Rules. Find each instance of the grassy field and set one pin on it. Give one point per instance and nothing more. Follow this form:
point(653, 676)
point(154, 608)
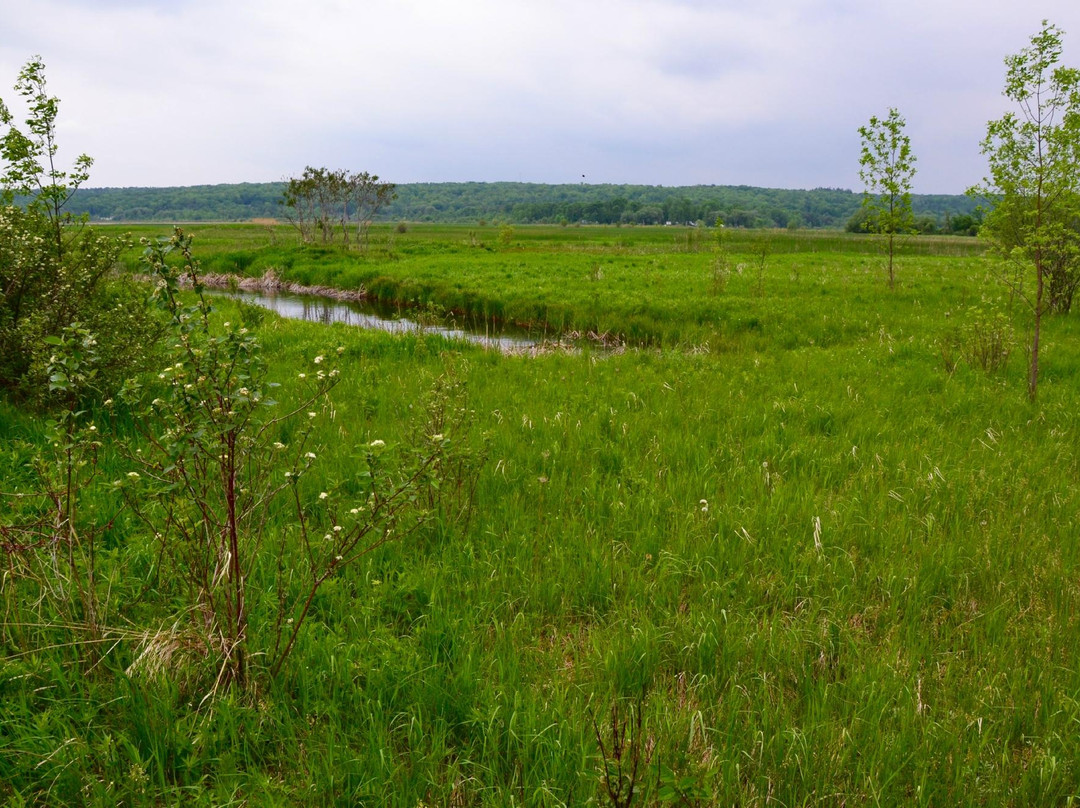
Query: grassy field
point(821, 556)
point(646, 285)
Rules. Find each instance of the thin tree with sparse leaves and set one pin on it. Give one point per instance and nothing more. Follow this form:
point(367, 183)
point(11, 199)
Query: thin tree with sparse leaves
point(1034, 179)
point(887, 167)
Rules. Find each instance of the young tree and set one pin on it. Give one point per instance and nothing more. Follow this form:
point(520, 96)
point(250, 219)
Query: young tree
point(1034, 179)
point(368, 196)
point(31, 172)
point(298, 200)
point(887, 168)
point(54, 273)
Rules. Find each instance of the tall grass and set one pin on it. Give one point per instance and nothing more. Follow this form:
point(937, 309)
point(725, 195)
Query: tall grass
point(643, 285)
point(832, 570)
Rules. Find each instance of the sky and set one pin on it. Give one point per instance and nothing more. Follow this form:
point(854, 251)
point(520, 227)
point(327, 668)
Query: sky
point(664, 92)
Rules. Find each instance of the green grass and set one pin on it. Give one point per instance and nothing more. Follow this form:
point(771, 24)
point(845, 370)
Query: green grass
point(875, 604)
point(645, 285)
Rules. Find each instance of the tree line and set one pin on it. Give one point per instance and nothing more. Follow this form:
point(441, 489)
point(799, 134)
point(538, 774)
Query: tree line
point(532, 203)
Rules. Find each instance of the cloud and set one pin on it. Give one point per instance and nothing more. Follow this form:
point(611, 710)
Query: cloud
point(672, 91)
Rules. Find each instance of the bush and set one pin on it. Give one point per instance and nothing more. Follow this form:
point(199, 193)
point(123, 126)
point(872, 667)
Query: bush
point(984, 342)
point(213, 474)
point(54, 271)
point(47, 293)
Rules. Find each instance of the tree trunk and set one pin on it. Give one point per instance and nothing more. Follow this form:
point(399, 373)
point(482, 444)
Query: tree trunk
point(1033, 370)
point(892, 276)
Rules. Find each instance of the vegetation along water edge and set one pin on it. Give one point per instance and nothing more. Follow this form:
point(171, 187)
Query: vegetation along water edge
point(807, 536)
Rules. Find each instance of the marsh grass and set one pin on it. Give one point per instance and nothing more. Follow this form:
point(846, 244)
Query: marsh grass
point(648, 291)
point(839, 573)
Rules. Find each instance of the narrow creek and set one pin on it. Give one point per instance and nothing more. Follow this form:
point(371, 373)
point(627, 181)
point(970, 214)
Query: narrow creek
point(318, 309)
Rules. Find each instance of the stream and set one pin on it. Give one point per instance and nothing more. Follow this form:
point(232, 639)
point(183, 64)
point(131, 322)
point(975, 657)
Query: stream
point(317, 309)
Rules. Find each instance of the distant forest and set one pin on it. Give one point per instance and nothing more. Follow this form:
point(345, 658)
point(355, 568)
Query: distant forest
point(525, 203)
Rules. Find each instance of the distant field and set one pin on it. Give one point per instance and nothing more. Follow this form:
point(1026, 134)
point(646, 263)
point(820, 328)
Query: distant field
point(647, 285)
point(831, 557)
point(215, 238)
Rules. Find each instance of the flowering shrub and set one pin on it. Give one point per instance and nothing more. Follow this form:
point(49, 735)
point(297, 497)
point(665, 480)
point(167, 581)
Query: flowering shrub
point(217, 476)
point(54, 271)
point(211, 471)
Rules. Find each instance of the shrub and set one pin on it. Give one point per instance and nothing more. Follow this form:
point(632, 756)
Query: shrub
point(217, 478)
point(984, 341)
point(54, 271)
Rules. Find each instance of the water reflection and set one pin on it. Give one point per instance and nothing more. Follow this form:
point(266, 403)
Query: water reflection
point(325, 310)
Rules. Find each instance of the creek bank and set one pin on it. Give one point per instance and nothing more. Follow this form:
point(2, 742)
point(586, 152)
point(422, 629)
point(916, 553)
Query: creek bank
point(327, 304)
point(270, 283)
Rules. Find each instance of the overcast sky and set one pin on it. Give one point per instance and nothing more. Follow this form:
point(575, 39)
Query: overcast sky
point(673, 92)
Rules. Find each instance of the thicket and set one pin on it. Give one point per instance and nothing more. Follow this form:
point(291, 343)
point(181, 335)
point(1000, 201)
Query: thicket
point(55, 273)
point(211, 498)
point(327, 202)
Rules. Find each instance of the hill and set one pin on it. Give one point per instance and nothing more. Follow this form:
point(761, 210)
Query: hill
point(524, 203)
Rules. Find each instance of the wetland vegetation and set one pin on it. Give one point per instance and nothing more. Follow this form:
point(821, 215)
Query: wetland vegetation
point(791, 529)
point(809, 527)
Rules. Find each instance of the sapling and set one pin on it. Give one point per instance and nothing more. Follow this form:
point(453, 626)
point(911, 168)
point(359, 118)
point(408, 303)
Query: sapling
point(1034, 182)
point(887, 167)
point(212, 471)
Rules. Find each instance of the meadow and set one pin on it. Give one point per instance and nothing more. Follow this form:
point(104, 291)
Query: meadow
point(646, 285)
point(788, 537)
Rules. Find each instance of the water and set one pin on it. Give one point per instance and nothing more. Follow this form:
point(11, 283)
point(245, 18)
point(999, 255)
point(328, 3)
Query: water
point(318, 309)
